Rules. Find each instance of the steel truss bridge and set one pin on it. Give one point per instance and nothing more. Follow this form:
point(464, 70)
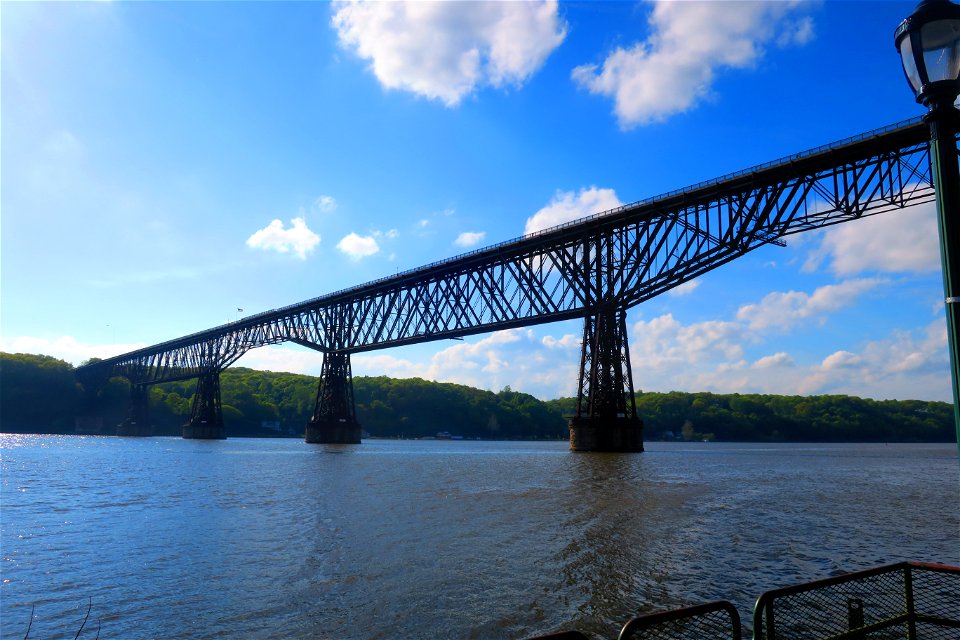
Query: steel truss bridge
point(594, 268)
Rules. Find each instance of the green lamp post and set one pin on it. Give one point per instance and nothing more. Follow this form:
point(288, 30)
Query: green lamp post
point(929, 46)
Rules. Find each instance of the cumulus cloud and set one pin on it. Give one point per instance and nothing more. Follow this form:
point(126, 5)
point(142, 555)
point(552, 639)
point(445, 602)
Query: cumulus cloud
point(675, 67)
point(357, 247)
point(664, 342)
point(298, 239)
point(895, 242)
point(906, 365)
point(283, 358)
point(840, 360)
point(668, 355)
point(568, 341)
point(470, 238)
point(567, 206)
point(66, 348)
point(684, 289)
point(325, 204)
point(514, 357)
point(782, 310)
point(713, 356)
point(446, 50)
point(779, 359)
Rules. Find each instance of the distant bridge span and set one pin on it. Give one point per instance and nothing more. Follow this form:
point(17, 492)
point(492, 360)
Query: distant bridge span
point(594, 268)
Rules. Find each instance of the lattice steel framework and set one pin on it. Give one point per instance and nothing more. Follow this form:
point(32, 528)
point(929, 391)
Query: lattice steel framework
point(206, 413)
point(612, 260)
point(606, 379)
point(137, 421)
point(335, 392)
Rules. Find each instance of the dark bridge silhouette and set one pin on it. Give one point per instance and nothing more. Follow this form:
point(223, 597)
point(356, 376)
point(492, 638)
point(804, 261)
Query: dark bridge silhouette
point(594, 268)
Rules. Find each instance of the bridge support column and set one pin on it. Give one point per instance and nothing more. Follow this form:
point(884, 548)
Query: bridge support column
point(206, 416)
point(334, 418)
point(137, 422)
point(606, 417)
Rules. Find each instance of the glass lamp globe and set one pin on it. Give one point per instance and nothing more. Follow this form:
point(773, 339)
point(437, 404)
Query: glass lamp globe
point(929, 46)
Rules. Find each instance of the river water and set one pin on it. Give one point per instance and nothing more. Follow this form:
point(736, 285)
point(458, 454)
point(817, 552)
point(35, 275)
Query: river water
point(273, 538)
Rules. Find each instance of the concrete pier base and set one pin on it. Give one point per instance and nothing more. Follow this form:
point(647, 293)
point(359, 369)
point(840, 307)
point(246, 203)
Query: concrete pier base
point(333, 432)
point(204, 431)
point(606, 434)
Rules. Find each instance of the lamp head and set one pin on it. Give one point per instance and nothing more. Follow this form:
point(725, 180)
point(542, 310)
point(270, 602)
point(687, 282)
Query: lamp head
point(929, 46)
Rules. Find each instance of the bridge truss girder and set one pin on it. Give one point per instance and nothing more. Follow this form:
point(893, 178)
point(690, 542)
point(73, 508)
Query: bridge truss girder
point(612, 260)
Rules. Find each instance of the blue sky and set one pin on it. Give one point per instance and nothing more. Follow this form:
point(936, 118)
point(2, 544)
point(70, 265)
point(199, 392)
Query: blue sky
point(165, 164)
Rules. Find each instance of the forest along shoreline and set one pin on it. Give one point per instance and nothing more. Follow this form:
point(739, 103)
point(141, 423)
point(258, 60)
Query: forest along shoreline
point(39, 394)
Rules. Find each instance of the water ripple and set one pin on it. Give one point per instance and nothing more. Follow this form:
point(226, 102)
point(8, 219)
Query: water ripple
point(273, 538)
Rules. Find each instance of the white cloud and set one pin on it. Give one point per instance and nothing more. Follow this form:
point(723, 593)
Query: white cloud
point(567, 206)
point(712, 356)
point(274, 237)
point(684, 289)
point(708, 357)
point(893, 242)
point(514, 357)
point(906, 365)
point(798, 32)
point(357, 247)
point(908, 353)
point(568, 341)
point(285, 359)
point(779, 359)
point(674, 68)
point(66, 348)
point(840, 360)
point(664, 342)
point(782, 310)
point(446, 50)
point(325, 204)
point(470, 238)
point(484, 355)
point(379, 363)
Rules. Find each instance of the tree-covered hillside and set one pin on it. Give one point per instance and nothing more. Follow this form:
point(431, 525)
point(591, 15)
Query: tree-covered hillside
point(38, 394)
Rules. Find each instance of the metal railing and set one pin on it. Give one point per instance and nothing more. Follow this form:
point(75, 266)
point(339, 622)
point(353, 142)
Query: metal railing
point(906, 600)
point(711, 621)
point(902, 601)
